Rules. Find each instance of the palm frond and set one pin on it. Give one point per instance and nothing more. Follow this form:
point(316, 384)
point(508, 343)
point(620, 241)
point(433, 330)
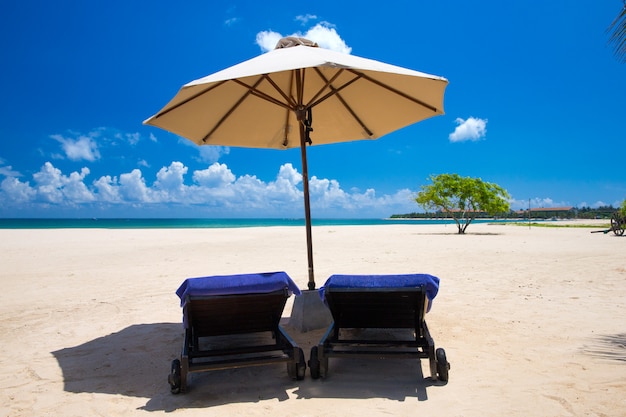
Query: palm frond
point(618, 35)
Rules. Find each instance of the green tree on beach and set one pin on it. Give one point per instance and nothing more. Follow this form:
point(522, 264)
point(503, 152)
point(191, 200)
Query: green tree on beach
point(463, 198)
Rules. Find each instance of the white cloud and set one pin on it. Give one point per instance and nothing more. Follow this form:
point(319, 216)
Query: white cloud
point(78, 146)
point(247, 193)
point(472, 129)
point(210, 154)
point(107, 189)
point(170, 182)
point(8, 171)
point(75, 189)
point(232, 21)
point(327, 37)
point(304, 19)
point(17, 192)
point(133, 187)
point(206, 154)
point(215, 189)
point(54, 187)
point(328, 193)
point(132, 138)
point(49, 182)
point(83, 147)
point(215, 176)
point(600, 203)
point(289, 174)
point(284, 189)
point(537, 202)
point(267, 39)
point(323, 33)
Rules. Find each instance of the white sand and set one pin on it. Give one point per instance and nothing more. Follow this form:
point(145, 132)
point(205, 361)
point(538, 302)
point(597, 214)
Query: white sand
point(533, 322)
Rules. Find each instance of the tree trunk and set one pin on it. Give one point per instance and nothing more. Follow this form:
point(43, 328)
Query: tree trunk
point(462, 226)
point(459, 226)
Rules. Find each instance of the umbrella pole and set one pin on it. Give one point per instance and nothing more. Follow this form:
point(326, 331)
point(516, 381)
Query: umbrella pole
point(307, 205)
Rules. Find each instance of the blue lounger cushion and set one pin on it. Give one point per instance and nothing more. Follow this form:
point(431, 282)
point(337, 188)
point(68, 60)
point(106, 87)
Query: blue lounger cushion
point(258, 283)
point(430, 282)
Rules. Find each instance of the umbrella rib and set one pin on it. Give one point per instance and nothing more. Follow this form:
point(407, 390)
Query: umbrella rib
point(335, 92)
point(328, 84)
point(398, 92)
point(356, 117)
point(286, 131)
point(187, 100)
point(288, 100)
point(299, 85)
point(231, 110)
point(253, 90)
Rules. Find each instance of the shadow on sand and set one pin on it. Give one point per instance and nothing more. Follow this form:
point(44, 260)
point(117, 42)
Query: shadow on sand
point(136, 361)
point(611, 347)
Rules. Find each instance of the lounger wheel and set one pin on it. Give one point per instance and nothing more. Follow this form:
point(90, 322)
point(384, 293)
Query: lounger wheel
point(442, 365)
point(314, 363)
point(174, 378)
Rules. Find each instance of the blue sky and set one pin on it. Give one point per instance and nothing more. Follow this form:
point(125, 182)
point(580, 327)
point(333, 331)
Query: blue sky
point(535, 104)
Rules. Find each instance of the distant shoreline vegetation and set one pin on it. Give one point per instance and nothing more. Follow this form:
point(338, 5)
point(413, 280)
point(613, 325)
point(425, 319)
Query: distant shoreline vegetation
point(603, 212)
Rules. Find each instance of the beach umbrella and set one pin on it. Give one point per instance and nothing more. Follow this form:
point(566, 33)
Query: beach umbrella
point(299, 95)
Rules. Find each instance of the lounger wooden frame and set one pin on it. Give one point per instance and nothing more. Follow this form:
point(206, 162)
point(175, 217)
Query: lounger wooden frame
point(377, 308)
point(219, 316)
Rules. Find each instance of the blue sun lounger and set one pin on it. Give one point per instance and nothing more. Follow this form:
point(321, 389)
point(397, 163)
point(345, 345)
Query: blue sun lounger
point(232, 321)
point(379, 303)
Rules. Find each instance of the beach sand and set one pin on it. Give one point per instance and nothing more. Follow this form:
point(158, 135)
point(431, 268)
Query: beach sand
point(533, 321)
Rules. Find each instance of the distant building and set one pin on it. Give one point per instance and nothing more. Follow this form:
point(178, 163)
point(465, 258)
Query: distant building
point(548, 212)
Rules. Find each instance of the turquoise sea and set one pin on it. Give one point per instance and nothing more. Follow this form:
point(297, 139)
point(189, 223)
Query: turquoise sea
point(207, 223)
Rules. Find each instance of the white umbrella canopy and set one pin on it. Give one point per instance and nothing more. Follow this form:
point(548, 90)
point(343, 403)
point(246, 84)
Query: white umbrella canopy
point(254, 104)
point(270, 101)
